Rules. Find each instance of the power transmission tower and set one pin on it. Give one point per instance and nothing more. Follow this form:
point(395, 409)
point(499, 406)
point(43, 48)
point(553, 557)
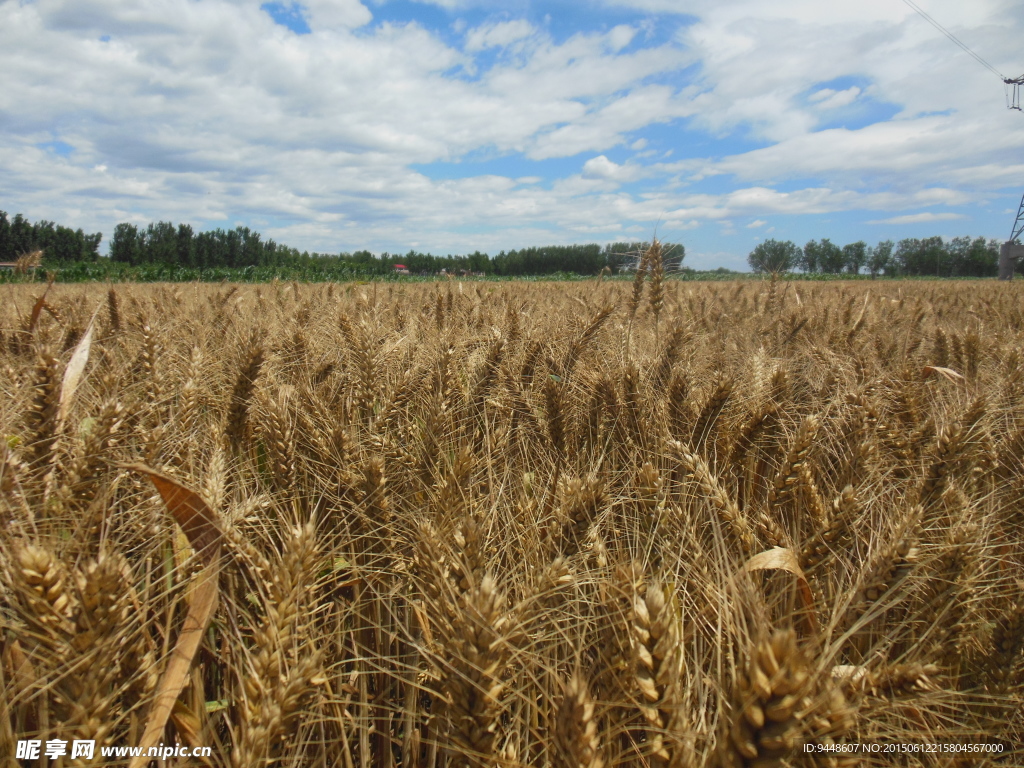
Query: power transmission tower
point(1012, 250)
point(1013, 94)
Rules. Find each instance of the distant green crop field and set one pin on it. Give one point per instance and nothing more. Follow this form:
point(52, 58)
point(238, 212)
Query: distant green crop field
point(116, 272)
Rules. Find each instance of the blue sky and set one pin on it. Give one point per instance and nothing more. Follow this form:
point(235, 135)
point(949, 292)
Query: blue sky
point(454, 125)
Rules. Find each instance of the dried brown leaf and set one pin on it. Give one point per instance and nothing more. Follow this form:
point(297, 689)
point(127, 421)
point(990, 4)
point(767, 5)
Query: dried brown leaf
point(785, 559)
point(37, 309)
point(189, 510)
point(199, 523)
point(176, 675)
point(949, 373)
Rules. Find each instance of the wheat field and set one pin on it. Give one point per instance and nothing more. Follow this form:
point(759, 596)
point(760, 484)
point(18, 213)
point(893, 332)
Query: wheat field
point(588, 524)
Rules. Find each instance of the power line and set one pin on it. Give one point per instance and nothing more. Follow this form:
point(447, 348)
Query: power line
point(954, 38)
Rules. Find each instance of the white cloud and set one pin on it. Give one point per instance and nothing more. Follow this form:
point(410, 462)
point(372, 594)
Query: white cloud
point(211, 111)
point(336, 14)
point(756, 223)
point(827, 98)
point(908, 152)
point(681, 224)
point(601, 167)
point(449, 5)
point(919, 218)
point(621, 36)
point(604, 127)
point(758, 57)
point(497, 35)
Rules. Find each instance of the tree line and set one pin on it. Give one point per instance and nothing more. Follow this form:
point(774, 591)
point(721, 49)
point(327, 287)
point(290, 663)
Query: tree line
point(19, 236)
point(164, 243)
point(959, 257)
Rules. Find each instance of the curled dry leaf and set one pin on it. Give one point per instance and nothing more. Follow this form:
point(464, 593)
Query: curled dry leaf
point(189, 510)
point(784, 559)
point(948, 373)
point(37, 309)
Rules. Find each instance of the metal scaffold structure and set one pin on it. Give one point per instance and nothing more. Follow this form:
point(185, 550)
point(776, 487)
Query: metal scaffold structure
point(1012, 250)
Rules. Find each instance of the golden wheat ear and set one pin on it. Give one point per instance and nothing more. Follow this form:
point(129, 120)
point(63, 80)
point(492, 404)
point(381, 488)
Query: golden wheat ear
point(577, 738)
point(781, 703)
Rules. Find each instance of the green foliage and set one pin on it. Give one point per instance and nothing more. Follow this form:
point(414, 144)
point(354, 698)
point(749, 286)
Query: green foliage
point(825, 257)
point(162, 243)
point(879, 257)
point(180, 253)
point(960, 257)
point(854, 256)
point(915, 256)
point(930, 256)
point(60, 245)
point(106, 270)
point(774, 256)
point(125, 245)
point(163, 251)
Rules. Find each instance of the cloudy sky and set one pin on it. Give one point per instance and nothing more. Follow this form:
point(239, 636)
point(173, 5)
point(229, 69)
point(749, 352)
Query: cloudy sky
point(455, 125)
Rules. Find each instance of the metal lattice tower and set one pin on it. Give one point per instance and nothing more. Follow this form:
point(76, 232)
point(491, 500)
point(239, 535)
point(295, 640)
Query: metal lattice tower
point(1018, 223)
point(1012, 250)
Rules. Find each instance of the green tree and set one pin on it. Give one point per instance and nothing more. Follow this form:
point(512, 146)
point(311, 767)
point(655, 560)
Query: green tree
point(878, 257)
point(44, 236)
point(59, 243)
point(927, 256)
point(184, 246)
point(831, 259)
point(975, 257)
point(125, 245)
point(160, 243)
point(91, 245)
point(65, 246)
point(252, 247)
point(21, 236)
point(810, 257)
point(674, 256)
point(854, 256)
point(480, 262)
point(774, 256)
point(6, 248)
